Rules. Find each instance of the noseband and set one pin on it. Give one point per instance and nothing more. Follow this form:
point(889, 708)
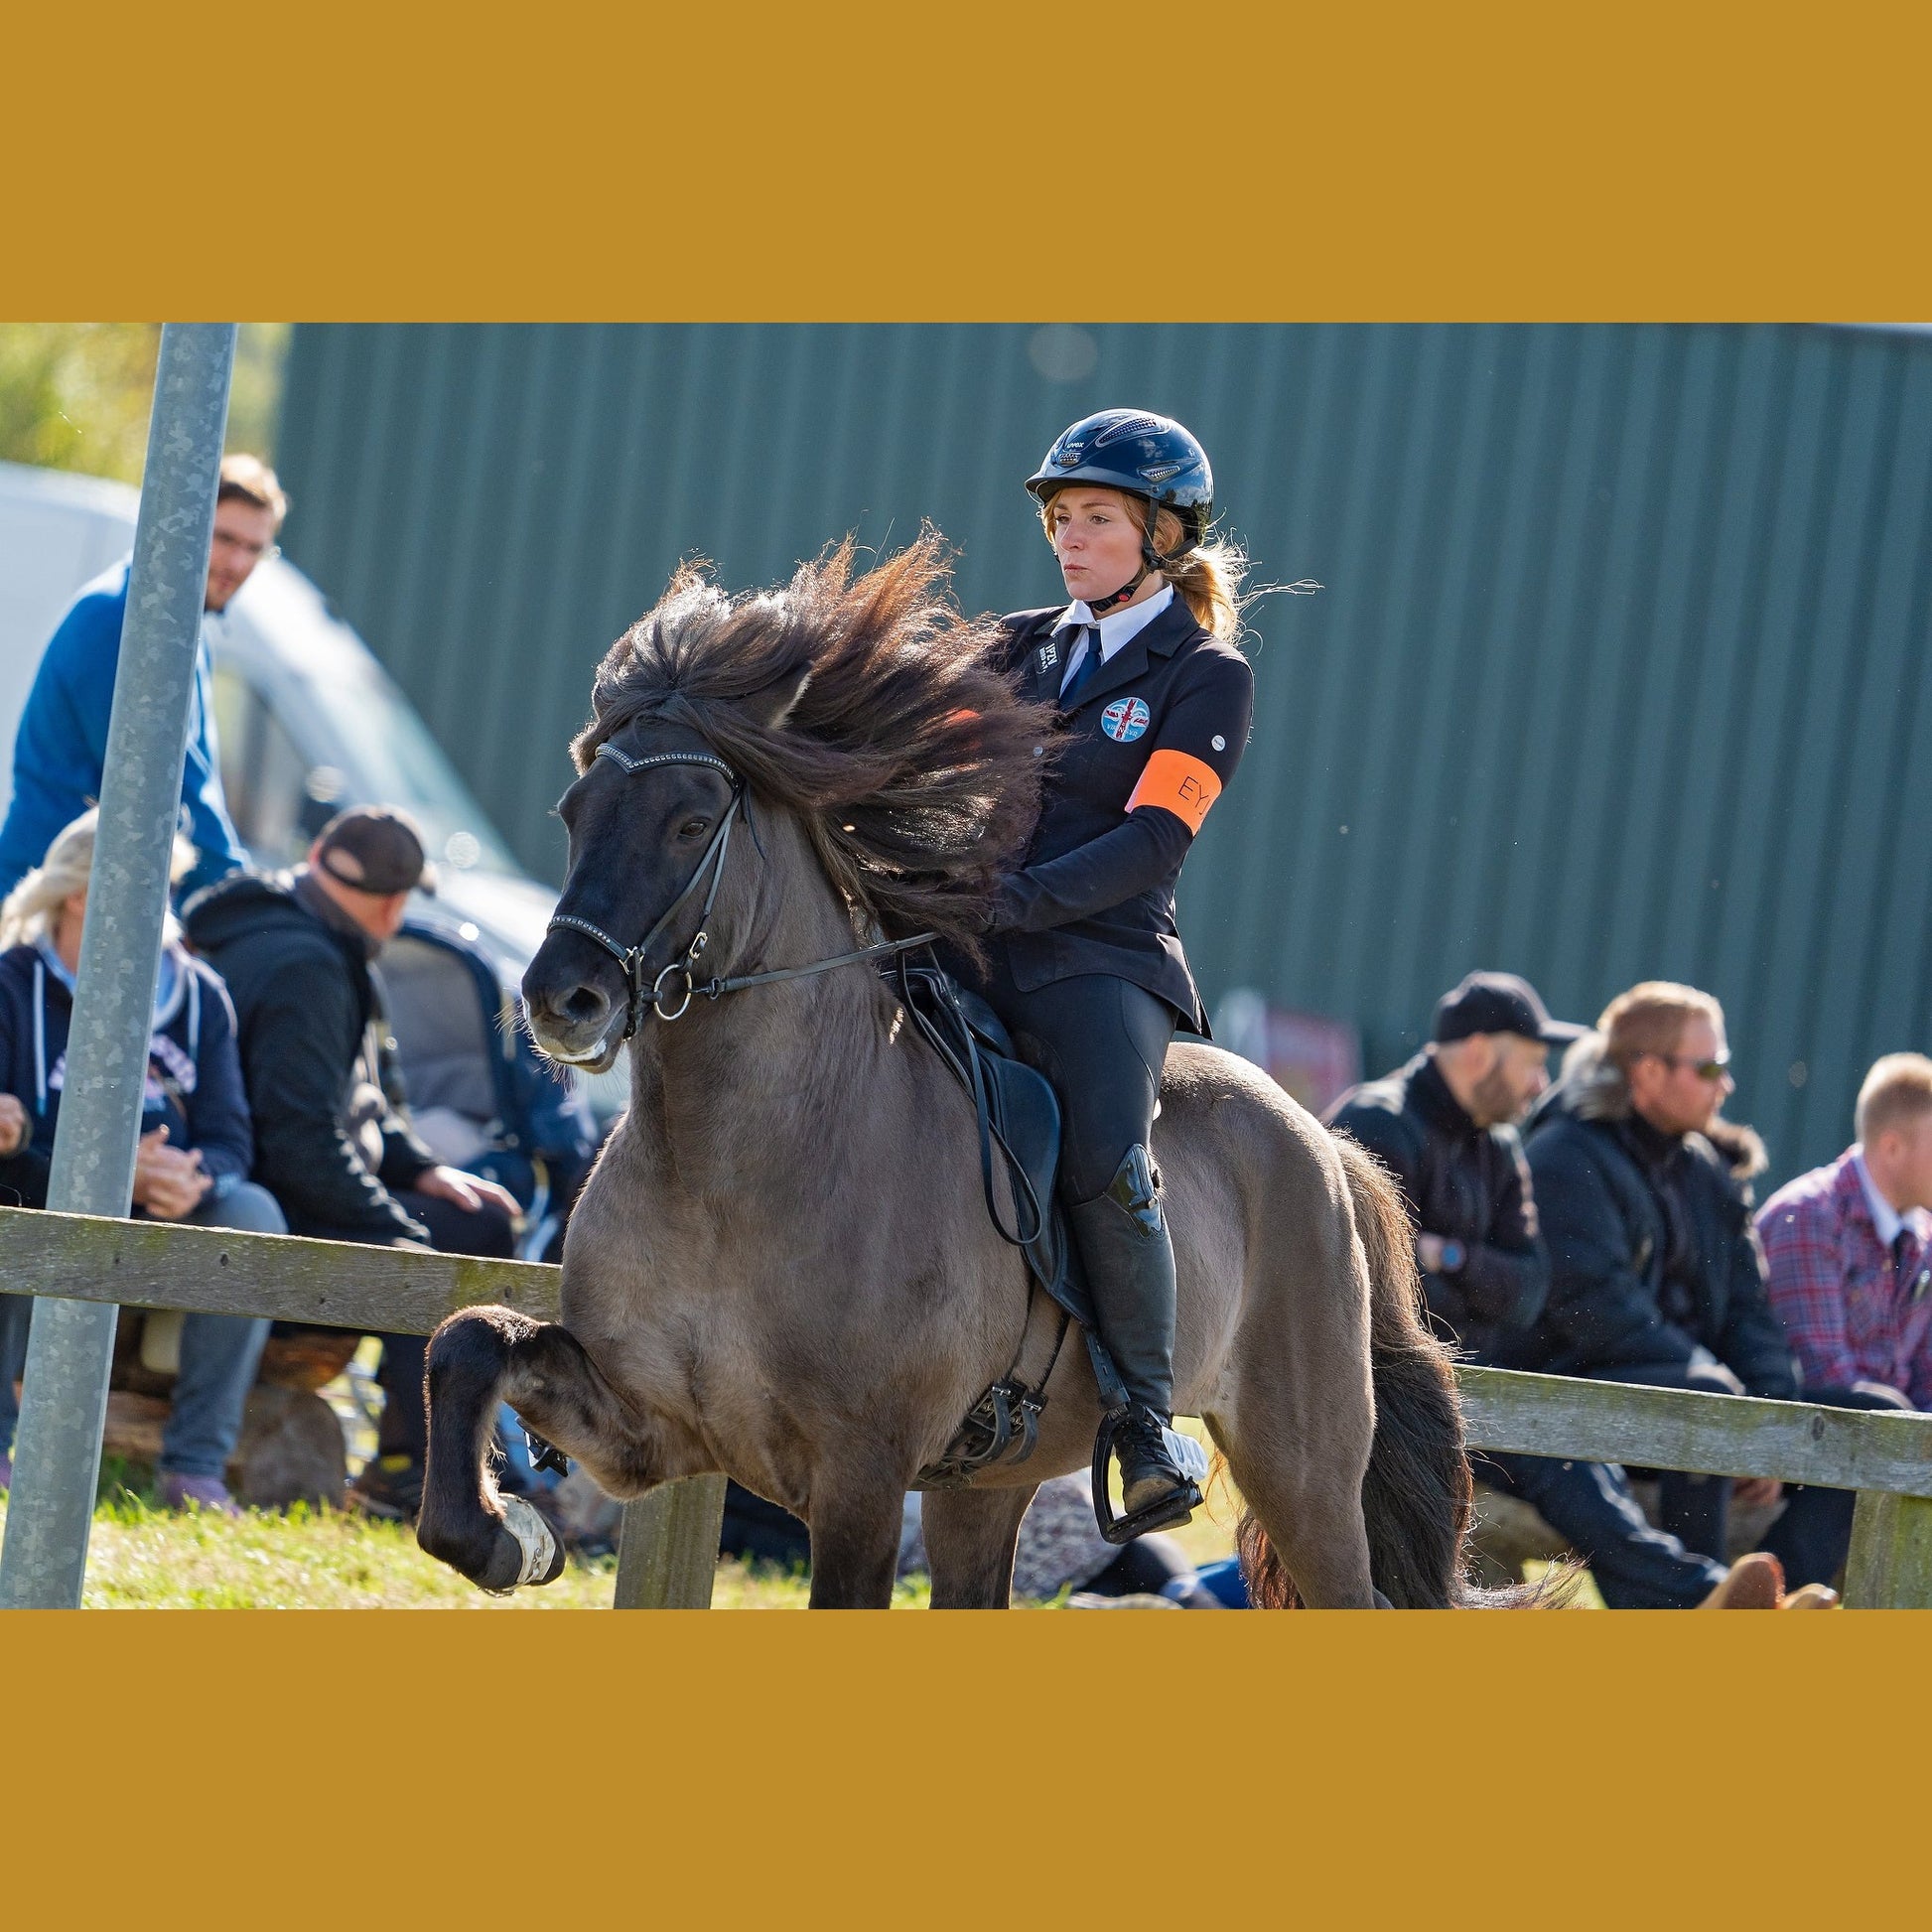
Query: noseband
point(671, 991)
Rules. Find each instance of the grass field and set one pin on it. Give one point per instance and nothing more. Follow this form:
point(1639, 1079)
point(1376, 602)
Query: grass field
point(143, 1557)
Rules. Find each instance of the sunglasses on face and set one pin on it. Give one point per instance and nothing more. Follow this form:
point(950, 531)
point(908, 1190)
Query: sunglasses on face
point(1713, 1069)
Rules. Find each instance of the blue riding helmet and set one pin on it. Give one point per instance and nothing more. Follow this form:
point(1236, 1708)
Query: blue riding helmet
point(1147, 456)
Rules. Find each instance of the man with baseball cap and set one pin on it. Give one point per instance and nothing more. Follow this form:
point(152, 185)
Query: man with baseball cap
point(331, 1145)
point(1444, 1127)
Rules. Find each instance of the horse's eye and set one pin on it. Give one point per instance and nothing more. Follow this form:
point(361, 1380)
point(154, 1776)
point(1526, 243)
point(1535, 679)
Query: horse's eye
point(694, 828)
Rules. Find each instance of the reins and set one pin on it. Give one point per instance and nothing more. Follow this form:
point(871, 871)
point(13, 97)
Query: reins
point(631, 959)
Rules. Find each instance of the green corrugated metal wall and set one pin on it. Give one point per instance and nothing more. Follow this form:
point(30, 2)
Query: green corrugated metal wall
point(1617, 674)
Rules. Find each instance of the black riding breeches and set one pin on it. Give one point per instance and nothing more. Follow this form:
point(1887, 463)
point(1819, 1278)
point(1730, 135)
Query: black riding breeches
point(1102, 1042)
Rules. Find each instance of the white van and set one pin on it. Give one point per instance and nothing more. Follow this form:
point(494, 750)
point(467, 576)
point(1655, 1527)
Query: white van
point(309, 722)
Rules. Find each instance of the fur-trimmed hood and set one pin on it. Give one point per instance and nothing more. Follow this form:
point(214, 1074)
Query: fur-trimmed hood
point(1593, 1087)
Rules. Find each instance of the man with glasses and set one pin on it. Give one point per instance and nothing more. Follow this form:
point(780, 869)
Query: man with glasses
point(60, 750)
point(1656, 1273)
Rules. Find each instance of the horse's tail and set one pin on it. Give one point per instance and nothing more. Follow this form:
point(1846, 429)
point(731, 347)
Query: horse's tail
point(1418, 1495)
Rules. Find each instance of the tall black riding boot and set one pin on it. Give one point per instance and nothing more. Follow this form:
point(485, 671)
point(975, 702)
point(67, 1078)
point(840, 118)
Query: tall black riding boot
point(1128, 1261)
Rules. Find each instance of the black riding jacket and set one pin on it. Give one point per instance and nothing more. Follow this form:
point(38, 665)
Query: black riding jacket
point(1150, 741)
point(1466, 1183)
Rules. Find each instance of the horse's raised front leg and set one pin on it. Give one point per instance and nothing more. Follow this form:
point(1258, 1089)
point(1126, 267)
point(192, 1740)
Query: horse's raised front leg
point(970, 1538)
point(476, 1359)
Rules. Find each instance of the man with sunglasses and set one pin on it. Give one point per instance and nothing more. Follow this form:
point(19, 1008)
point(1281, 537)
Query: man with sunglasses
point(1656, 1273)
point(61, 748)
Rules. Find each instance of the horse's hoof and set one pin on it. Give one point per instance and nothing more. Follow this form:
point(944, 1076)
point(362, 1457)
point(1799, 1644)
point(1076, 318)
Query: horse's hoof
point(497, 1555)
point(541, 1556)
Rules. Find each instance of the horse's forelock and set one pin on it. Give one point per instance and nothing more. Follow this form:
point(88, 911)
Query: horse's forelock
point(865, 702)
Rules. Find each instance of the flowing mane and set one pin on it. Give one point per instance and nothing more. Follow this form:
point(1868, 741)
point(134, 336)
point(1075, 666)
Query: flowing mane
point(863, 702)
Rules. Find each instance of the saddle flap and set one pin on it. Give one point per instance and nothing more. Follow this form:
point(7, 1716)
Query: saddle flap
point(1024, 1111)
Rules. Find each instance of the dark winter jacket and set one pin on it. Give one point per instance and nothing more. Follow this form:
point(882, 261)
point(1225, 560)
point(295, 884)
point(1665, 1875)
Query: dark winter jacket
point(1466, 1183)
point(1149, 743)
point(329, 1144)
point(1652, 1251)
point(194, 1085)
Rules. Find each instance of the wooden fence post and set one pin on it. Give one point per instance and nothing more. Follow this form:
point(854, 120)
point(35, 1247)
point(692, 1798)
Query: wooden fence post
point(667, 1549)
point(1891, 1565)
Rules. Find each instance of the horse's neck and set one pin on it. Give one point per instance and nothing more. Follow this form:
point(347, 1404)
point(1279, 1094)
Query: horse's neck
point(788, 1081)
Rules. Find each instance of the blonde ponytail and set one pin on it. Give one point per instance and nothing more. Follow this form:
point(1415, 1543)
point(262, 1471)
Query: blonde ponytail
point(1207, 578)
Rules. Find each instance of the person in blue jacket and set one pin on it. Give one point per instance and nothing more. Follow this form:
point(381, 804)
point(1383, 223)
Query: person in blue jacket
point(195, 1149)
point(61, 748)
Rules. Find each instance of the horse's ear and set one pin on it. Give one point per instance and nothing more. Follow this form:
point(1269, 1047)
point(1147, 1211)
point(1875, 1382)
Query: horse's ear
point(774, 706)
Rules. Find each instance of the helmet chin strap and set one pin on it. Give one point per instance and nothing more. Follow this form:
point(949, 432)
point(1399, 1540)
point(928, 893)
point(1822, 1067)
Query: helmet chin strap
point(1100, 605)
point(1151, 560)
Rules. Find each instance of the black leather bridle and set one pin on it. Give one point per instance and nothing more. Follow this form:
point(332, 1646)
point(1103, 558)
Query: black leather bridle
point(671, 991)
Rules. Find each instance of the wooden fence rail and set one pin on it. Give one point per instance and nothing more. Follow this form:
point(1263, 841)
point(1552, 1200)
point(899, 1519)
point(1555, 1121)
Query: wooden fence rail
point(667, 1551)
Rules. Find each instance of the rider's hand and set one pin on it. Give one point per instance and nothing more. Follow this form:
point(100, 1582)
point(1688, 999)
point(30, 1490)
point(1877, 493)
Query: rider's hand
point(13, 1125)
point(468, 1190)
point(169, 1182)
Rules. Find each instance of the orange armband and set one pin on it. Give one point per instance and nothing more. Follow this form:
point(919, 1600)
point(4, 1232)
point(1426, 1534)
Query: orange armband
point(1181, 784)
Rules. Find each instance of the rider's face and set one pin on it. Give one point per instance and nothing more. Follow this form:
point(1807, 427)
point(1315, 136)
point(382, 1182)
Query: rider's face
point(1097, 540)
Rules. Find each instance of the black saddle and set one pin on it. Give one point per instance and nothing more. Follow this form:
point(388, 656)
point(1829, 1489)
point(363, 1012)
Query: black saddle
point(1019, 1118)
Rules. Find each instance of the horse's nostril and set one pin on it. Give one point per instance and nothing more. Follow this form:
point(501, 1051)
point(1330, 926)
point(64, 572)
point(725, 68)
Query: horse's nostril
point(583, 1005)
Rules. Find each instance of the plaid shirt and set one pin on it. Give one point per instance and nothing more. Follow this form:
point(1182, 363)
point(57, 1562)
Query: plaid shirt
point(1853, 1313)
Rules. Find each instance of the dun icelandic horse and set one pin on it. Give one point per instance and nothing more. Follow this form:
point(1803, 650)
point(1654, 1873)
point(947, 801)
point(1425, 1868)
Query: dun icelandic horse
point(782, 1266)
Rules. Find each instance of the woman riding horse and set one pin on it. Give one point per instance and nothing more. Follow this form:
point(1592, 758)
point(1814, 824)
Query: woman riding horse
point(782, 1266)
point(1085, 965)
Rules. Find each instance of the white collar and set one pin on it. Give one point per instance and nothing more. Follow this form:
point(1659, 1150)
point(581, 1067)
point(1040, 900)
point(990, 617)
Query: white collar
point(1118, 628)
point(1886, 1220)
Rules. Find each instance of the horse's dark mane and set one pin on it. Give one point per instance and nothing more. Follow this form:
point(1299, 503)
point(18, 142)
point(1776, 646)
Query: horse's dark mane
point(866, 704)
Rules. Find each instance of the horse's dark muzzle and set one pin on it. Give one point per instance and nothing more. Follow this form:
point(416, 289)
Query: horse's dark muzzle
point(569, 1011)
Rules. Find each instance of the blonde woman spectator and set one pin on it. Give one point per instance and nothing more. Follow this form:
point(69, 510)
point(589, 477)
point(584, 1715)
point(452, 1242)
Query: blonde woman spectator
point(193, 1162)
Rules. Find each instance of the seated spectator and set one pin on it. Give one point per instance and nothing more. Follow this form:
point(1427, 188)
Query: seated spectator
point(1444, 1127)
point(331, 1142)
point(1846, 1245)
point(1656, 1275)
point(192, 1164)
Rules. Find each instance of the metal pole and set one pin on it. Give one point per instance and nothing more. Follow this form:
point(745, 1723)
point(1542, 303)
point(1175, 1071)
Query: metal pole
point(63, 1402)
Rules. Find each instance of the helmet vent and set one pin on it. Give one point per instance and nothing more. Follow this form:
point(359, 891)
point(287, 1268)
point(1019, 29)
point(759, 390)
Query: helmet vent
point(1129, 426)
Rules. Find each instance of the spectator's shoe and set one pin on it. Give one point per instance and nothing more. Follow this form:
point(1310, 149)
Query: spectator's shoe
point(196, 1492)
point(1753, 1582)
point(390, 1486)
